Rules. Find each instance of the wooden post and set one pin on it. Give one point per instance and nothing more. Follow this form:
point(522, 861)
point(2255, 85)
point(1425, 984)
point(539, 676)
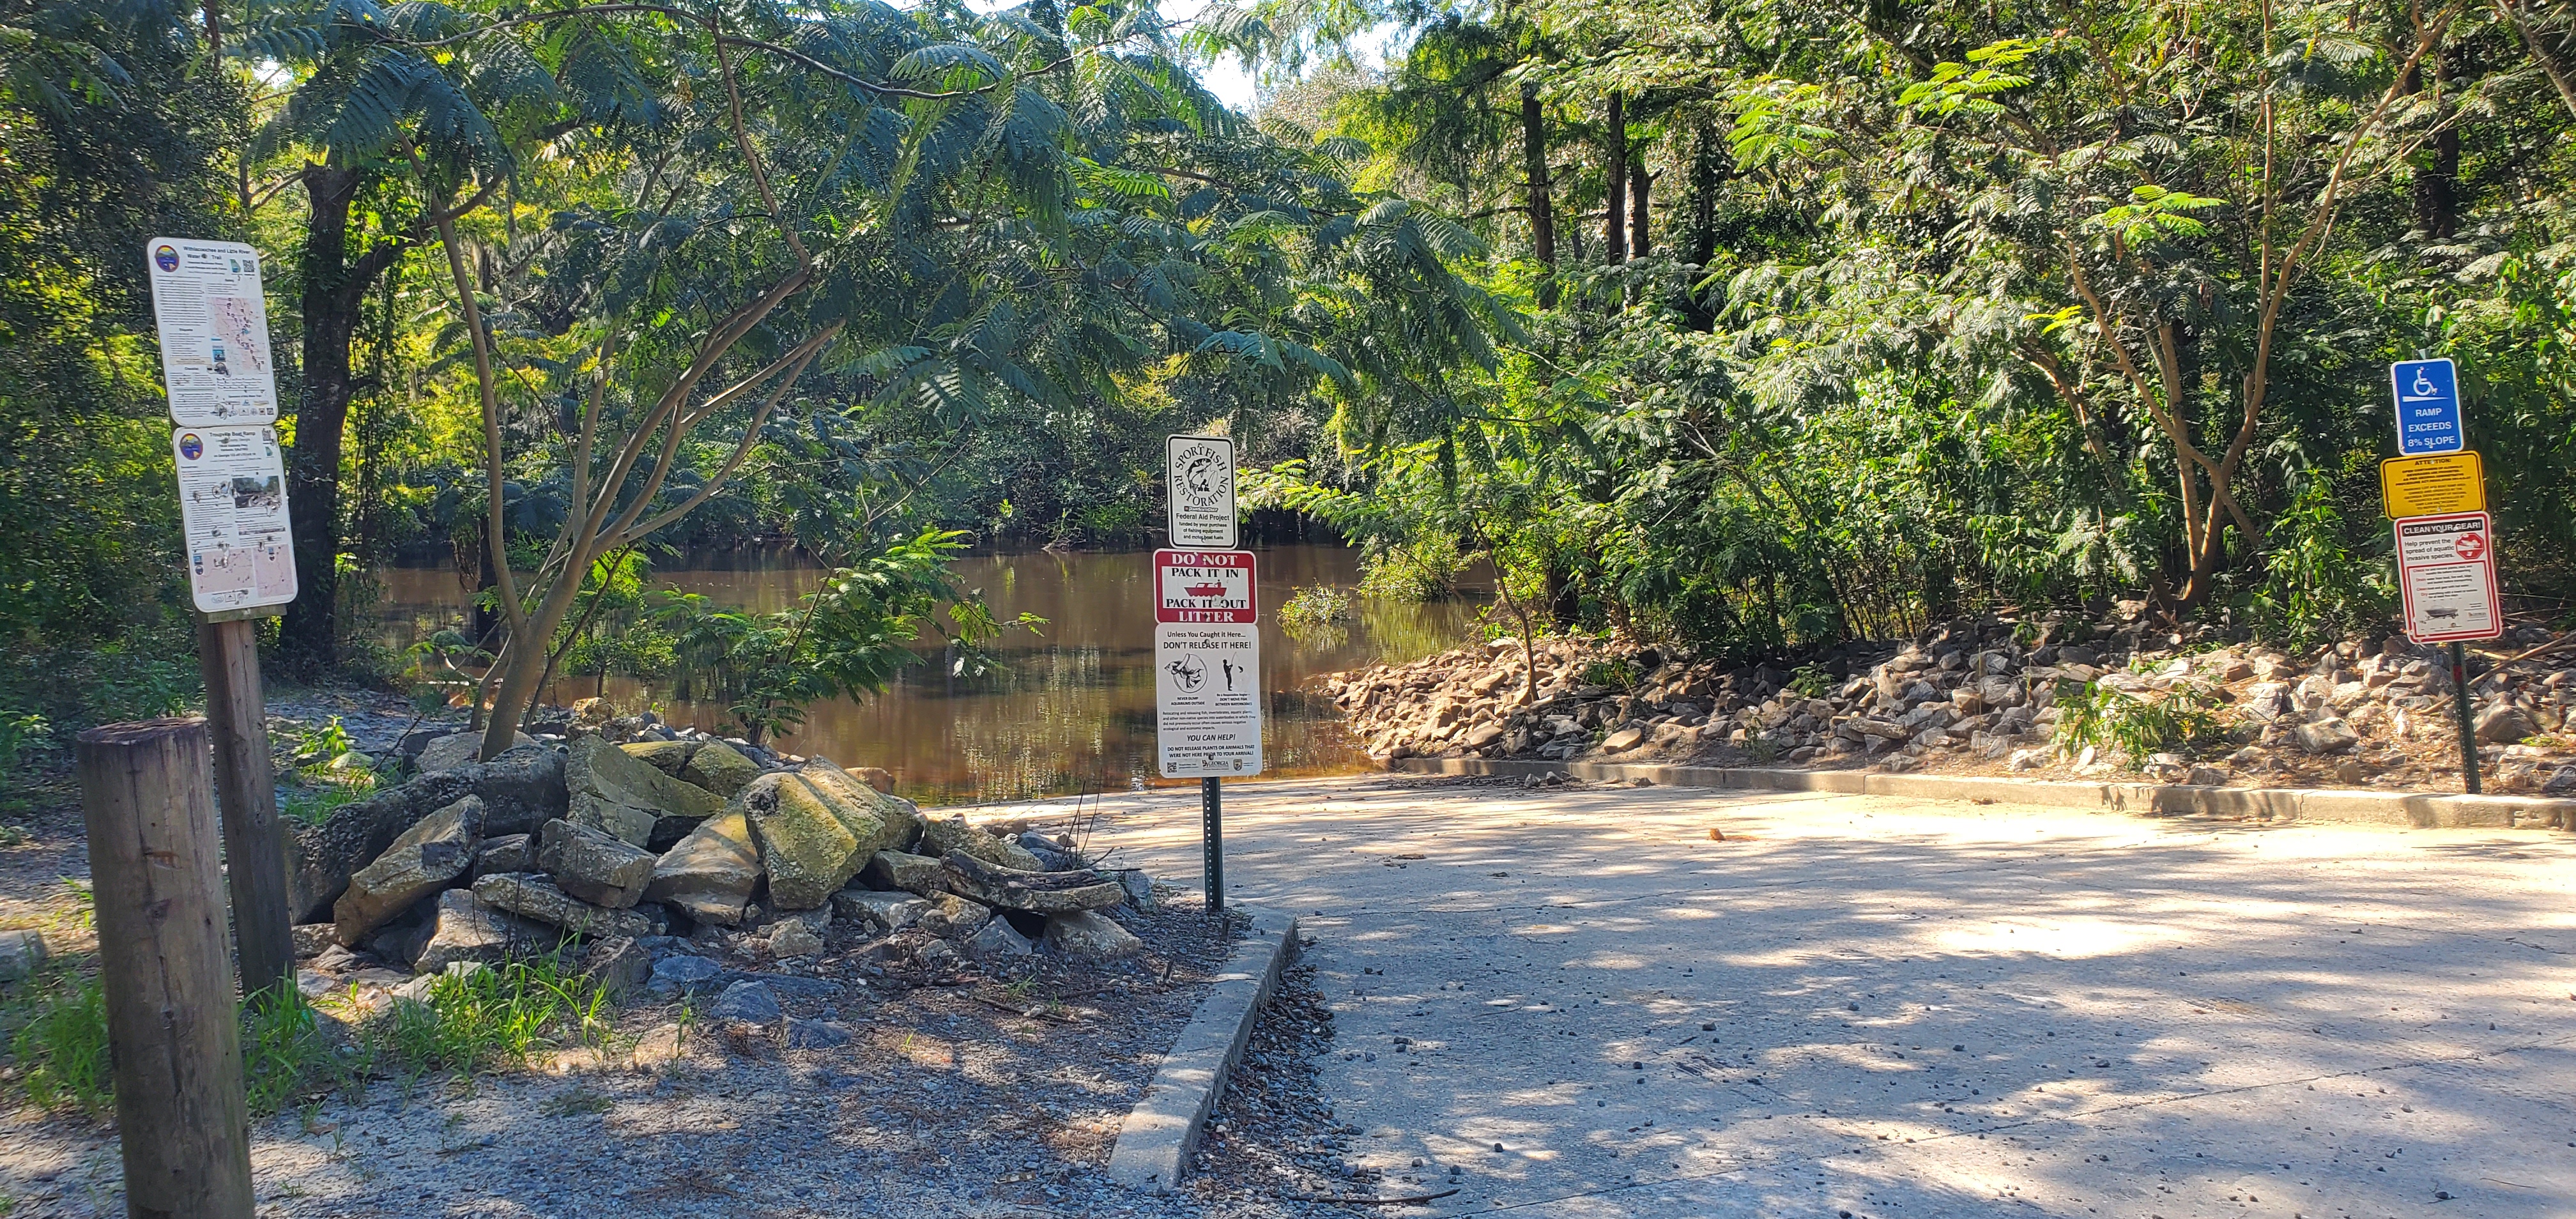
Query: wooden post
point(246, 796)
point(173, 1022)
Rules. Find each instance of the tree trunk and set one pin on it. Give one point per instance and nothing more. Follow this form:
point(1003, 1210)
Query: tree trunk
point(1542, 212)
point(1640, 242)
point(1614, 213)
point(335, 285)
point(1705, 179)
point(2437, 209)
point(310, 632)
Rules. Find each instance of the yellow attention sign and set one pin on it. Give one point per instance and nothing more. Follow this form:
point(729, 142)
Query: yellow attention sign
point(2433, 486)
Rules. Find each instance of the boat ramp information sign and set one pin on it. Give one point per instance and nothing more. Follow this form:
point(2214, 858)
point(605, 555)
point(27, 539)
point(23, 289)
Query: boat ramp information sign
point(1198, 476)
point(2428, 407)
point(1207, 664)
point(232, 510)
point(2446, 568)
point(2433, 486)
point(215, 360)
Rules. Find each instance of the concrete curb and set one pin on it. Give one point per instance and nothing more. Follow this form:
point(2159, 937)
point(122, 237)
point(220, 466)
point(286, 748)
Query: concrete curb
point(1164, 1126)
point(2145, 799)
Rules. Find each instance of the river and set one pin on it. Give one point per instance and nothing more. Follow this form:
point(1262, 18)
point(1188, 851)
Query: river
point(1071, 710)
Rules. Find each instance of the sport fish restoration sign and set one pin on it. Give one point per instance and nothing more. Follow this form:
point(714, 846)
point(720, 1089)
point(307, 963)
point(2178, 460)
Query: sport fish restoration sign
point(1203, 586)
point(1207, 699)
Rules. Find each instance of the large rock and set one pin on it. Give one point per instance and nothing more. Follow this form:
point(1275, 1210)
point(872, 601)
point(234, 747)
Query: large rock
point(507, 853)
point(2504, 724)
point(422, 860)
point(940, 835)
point(711, 873)
point(856, 802)
point(459, 749)
point(1089, 937)
point(813, 837)
point(520, 790)
point(612, 791)
point(720, 768)
point(998, 940)
point(884, 911)
point(746, 1000)
point(534, 895)
point(1035, 892)
point(905, 871)
point(592, 866)
point(462, 928)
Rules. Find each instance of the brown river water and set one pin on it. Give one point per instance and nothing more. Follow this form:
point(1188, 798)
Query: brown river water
point(1070, 711)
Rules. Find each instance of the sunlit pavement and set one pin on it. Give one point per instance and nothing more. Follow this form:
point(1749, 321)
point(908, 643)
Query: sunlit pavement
point(1888, 1007)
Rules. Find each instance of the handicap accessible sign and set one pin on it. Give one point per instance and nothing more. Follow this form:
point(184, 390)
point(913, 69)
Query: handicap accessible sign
point(2428, 407)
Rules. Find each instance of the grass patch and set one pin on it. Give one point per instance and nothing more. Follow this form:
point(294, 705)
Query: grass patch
point(55, 1028)
point(1314, 611)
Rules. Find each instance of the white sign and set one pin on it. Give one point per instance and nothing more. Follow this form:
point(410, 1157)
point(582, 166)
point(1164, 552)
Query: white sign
point(1199, 478)
point(215, 360)
point(2446, 567)
point(1203, 586)
point(1207, 699)
point(232, 508)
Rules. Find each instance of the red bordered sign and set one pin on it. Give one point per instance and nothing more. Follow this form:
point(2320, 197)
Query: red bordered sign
point(2446, 568)
point(1201, 586)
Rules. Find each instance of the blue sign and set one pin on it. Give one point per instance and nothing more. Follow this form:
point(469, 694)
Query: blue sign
point(2428, 407)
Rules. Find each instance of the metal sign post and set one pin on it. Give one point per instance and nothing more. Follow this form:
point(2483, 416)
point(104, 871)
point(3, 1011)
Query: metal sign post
point(216, 367)
point(1207, 642)
point(2434, 492)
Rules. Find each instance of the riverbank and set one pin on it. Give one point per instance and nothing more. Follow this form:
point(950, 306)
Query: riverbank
point(2053, 699)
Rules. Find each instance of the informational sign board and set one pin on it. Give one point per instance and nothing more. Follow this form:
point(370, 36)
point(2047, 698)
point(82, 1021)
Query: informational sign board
point(2428, 407)
point(1199, 478)
point(232, 511)
point(2433, 486)
point(215, 360)
point(2446, 567)
point(1200, 586)
point(1207, 699)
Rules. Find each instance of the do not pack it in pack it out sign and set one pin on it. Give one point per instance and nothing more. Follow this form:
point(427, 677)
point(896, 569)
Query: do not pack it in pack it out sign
point(1203, 586)
point(2428, 407)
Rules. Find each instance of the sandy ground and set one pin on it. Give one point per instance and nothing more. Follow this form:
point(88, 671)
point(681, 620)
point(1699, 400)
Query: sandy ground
point(1876, 1007)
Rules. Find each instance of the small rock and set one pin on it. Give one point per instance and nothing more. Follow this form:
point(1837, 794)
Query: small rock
point(21, 952)
point(1140, 887)
point(1089, 937)
point(752, 1001)
point(881, 910)
point(1623, 740)
point(312, 939)
point(996, 940)
point(938, 957)
point(951, 917)
point(792, 938)
point(2026, 759)
point(816, 1034)
point(2209, 776)
point(905, 871)
point(682, 973)
point(2328, 735)
point(618, 965)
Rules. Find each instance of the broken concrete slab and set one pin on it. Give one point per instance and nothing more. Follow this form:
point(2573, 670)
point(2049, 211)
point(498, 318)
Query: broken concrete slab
point(623, 796)
point(711, 873)
point(424, 859)
point(592, 866)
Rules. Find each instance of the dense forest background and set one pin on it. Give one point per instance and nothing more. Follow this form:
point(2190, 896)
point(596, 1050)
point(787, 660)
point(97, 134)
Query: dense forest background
point(1751, 324)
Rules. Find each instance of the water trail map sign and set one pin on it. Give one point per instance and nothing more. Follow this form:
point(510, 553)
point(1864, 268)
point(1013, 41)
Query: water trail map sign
point(232, 509)
point(215, 360)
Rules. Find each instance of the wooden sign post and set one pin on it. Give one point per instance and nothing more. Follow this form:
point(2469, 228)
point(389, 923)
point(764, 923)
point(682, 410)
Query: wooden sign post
point(173, 1029)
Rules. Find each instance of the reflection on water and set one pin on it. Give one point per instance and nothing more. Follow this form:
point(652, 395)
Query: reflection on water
point(1069, 711)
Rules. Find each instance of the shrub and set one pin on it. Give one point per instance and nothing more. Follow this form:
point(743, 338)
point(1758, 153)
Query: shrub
point(2136, 725)
point(1314, 611)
